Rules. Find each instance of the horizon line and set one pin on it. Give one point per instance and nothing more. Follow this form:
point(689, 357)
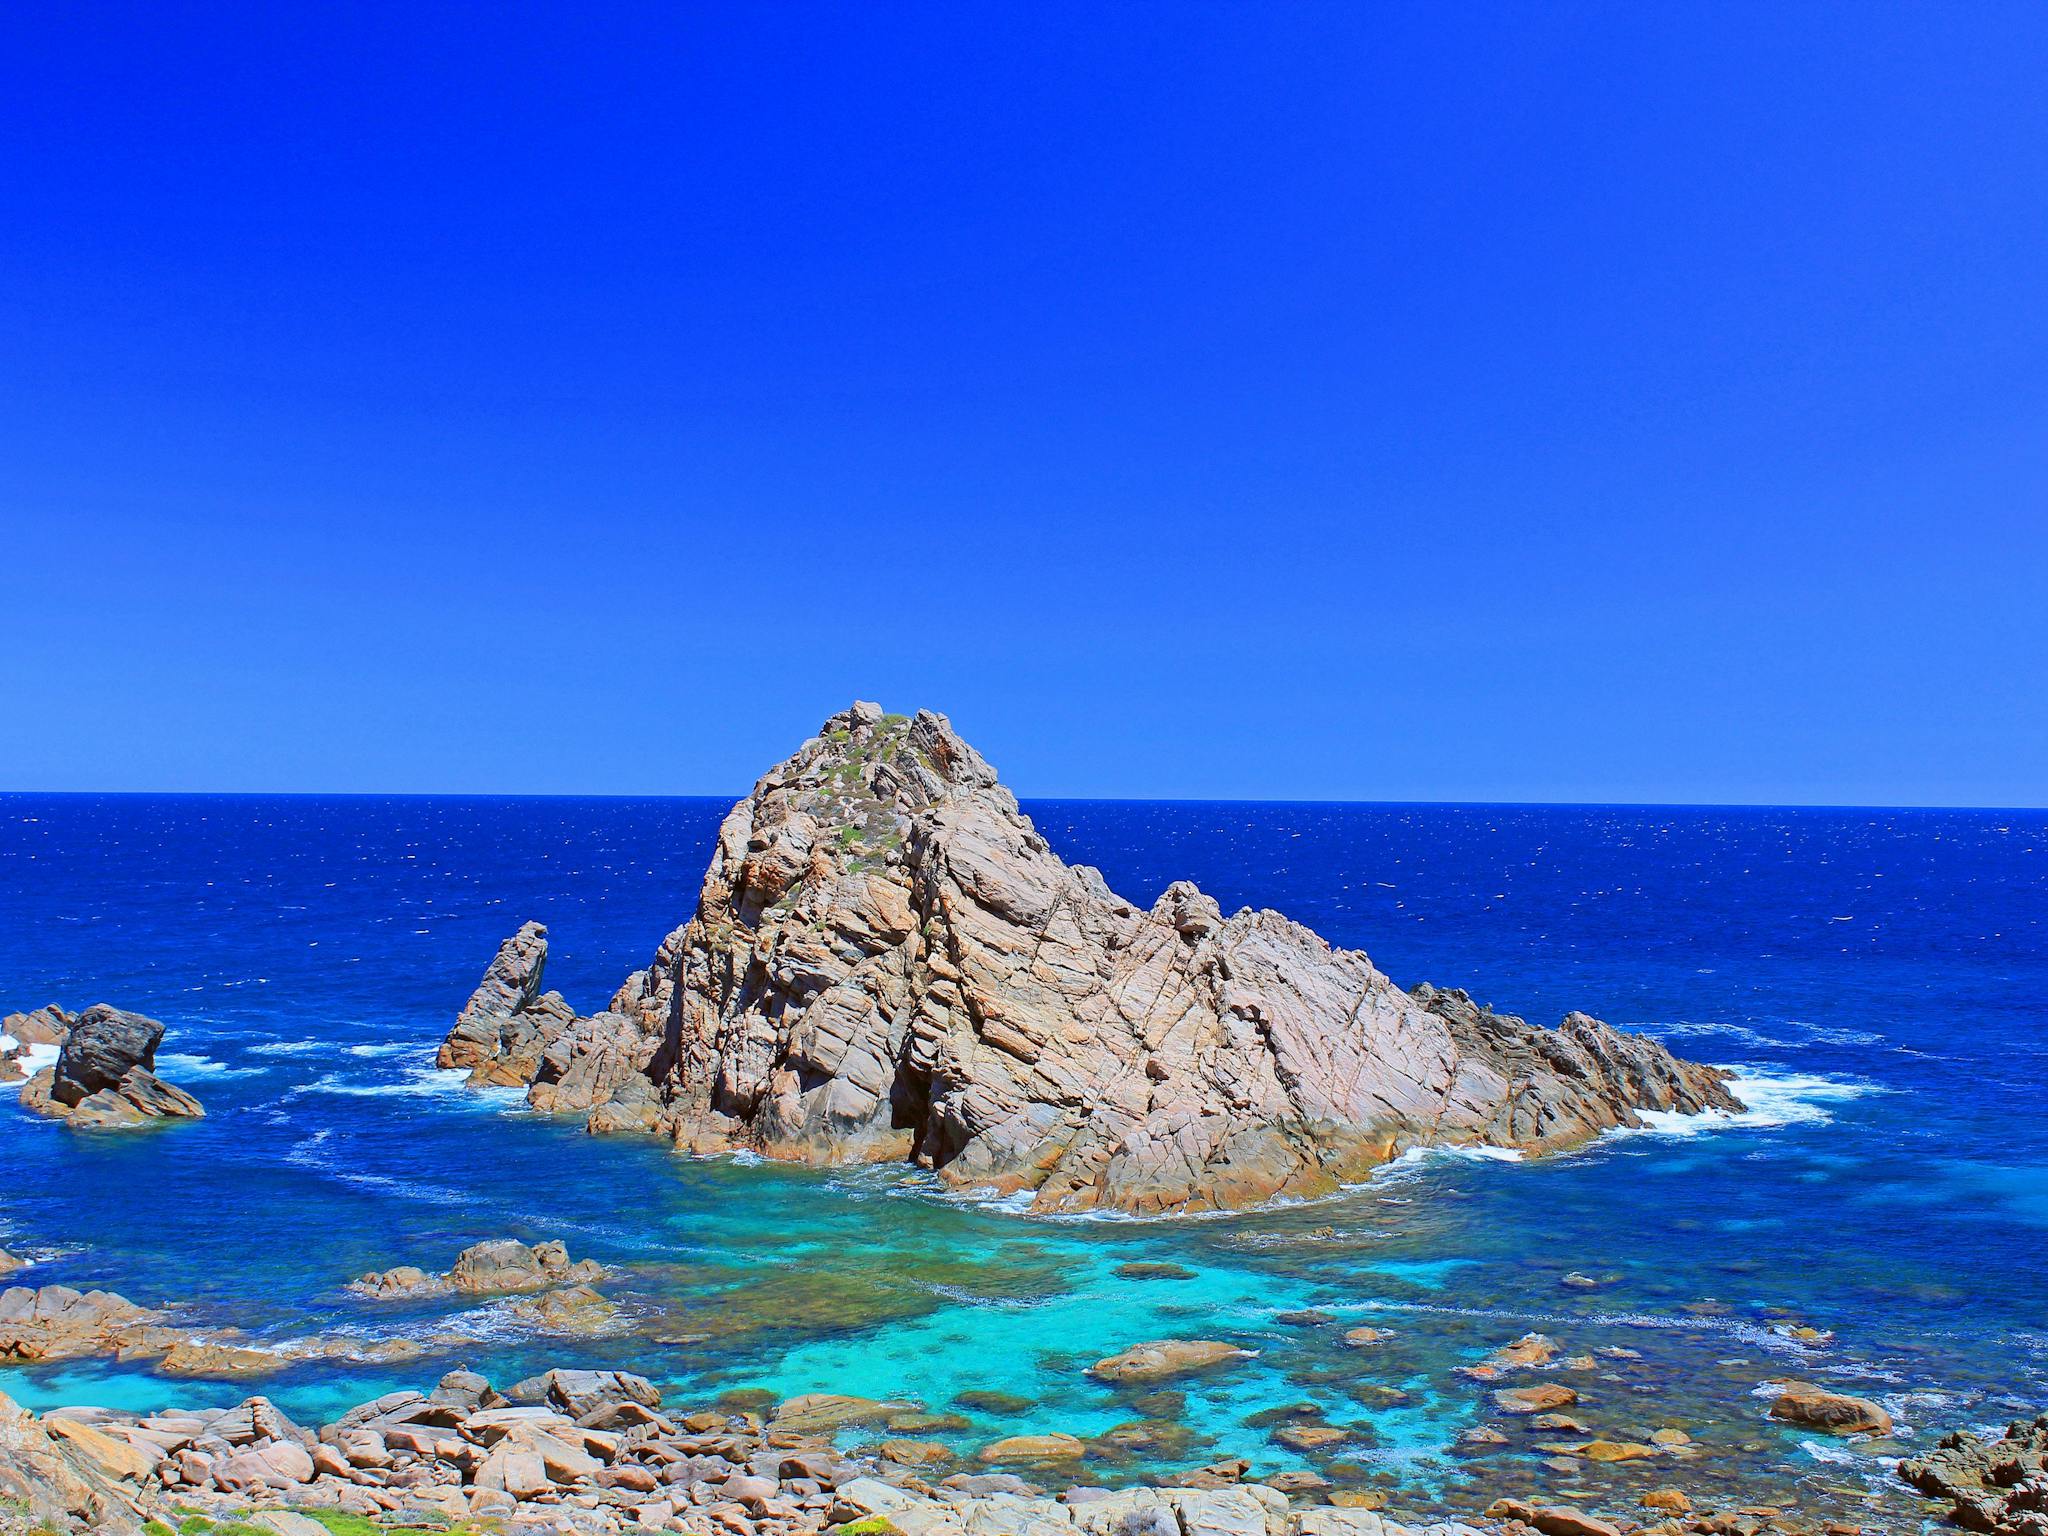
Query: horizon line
point(1190, 800)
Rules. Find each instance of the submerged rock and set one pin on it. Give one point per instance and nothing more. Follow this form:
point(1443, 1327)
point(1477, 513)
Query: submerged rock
point(104, 1074)
point(888, 961)
point(1165, 1357)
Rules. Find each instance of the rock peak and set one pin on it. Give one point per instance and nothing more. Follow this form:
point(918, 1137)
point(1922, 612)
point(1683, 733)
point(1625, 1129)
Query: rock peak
point(887, 961)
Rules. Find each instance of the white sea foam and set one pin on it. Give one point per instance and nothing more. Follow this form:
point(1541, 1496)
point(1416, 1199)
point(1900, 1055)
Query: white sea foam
point(33, 1059)
point(1769, 1099)
point(451, 1083)
point(313, 1154)
point(389, 1048)
point(291, 1048)
point(181, 1064)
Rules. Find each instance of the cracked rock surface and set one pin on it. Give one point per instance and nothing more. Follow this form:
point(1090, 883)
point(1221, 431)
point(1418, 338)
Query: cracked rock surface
point(888, 962)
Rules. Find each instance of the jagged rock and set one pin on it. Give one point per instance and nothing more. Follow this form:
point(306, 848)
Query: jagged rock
point(56, 1322)
point(47, 1025)
point(24, 1035)
point(58, 1481)
point(499, 1267)
point(1998, 1486)
point(573, 1309)
point(508, 1022)
point(1836, 1413)
point(103, 1076)
point(888, 961)
point(9, 1263)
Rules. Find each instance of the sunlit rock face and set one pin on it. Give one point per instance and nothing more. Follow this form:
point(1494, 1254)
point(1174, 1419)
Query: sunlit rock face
point(888, 962)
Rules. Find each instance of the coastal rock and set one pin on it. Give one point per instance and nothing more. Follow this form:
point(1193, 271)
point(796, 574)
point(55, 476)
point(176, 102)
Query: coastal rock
point(508, 1021)
point(888, 961)
point(56, 1322)
point(579, 1394)
point(27, 1037)
point(511, 1033)
point(500, 1267)
point(1542, 1399)
point(1835, 1413)
point(9, 1263)
point(104, 1075)
point(1165, 1357)
point(1998, 1486)
point(58, 1484)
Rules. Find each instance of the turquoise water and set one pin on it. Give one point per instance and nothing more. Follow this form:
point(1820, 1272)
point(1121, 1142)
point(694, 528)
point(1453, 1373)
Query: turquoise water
point(1875, 977)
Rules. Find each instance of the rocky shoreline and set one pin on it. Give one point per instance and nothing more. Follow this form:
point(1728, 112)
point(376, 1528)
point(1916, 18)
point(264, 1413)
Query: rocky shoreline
point(600, 1453)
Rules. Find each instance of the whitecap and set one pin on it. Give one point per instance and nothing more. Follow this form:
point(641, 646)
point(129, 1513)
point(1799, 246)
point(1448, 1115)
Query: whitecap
point(451, 1083)
point(179, 1064)
point(311, 1155)
point(32, 1060)
point(1769, 1099)
point(291, 1047)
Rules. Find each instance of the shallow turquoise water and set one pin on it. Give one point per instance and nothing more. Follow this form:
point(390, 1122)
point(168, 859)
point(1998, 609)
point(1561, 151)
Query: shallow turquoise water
point(1876, 976)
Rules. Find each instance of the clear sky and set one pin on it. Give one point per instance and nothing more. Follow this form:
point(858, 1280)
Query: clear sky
point(1374, 401)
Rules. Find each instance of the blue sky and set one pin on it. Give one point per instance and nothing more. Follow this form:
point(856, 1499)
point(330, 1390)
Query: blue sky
point(1570, 402)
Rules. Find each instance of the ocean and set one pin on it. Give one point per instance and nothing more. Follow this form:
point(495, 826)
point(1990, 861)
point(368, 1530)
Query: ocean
point(1876, 978)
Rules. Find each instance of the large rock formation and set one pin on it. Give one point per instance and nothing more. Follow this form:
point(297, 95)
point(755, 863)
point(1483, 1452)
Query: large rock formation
point(103, 1074)
point(2000, 1486)
point(888, 962)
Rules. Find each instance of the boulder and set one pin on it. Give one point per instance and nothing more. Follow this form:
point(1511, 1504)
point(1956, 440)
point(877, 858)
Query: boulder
point(56, 1322)
point(51, 1480)
point(1027, 1448)
point(578, 1394)
point(1538, 1399)
point(1834, 1413)
point(1165, 1357)
point(103, 1076)
point(889, 962)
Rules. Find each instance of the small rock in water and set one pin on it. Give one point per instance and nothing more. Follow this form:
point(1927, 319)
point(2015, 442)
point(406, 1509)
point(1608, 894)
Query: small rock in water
point(1834, 1413)
point(1538, 1399)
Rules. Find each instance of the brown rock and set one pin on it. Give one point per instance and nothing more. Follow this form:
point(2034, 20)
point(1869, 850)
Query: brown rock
point(1309, 1437)
point(1834, 1413)
point(1671, 1500)
point(1537, 1399)
point(1028, 1448)
point(888, 961)
point(1165, 1357)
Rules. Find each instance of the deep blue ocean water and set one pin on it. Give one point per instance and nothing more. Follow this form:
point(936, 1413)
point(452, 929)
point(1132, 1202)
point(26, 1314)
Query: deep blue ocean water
point(1880, 978)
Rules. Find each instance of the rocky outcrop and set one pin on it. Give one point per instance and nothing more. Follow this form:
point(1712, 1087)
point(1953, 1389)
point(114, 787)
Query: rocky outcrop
point(104, 1074)
point(889, 962)
point(63, 1481)
point(501, 1267)
point(1999, 1486)
point(23, 1036)
point(56, 1322)
point(512, 1034)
